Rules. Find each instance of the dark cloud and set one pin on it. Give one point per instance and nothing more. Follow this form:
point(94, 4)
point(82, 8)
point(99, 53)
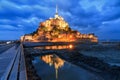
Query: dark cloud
point(83, 15)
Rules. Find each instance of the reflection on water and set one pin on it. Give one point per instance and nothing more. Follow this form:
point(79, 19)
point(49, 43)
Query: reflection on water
point(49, 66)
point(53, 60)
point(56, 47)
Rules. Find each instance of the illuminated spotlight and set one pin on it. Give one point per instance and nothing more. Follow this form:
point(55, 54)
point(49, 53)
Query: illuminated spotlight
point(70, 46)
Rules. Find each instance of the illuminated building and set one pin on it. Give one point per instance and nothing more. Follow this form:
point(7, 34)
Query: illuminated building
point(57, 30)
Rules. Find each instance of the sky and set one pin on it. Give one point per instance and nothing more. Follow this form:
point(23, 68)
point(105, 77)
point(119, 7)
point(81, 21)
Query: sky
point(19, 17)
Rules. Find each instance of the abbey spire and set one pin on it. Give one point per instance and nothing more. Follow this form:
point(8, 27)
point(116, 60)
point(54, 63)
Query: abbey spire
point(56, 14)
point(56, 9)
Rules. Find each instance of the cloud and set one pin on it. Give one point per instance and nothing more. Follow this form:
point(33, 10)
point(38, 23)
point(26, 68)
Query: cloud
point(83, 15)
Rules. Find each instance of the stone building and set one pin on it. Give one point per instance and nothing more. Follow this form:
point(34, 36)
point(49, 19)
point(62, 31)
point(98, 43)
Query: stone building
point(57, 30)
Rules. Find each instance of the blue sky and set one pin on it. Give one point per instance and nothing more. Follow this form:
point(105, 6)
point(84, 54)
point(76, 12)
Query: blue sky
point(19, 17)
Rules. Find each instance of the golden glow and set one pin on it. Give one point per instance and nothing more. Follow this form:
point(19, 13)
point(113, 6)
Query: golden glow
point(70, 46)
point(53, 60)
point(70, 36)
point(56, 47)
point(57, 30)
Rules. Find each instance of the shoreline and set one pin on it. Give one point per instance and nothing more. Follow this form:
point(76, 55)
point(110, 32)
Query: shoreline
point(31, 72)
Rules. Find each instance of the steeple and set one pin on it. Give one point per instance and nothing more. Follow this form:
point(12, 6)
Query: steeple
point(56, 14)
point(56, 9)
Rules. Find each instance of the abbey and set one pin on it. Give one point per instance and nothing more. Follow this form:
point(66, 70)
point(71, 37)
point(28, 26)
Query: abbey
point(57, 30)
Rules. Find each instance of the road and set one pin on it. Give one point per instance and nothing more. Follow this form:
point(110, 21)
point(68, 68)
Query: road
point(5, 47)
point(7, 57)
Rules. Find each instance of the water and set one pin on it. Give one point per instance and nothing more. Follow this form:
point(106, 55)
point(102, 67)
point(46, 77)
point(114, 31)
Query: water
point(70, 46)
point(51, 67)
point(111, 57)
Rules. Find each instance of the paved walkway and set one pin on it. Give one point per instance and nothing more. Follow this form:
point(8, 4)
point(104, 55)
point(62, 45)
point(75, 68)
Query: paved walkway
point(6, 59)
point(3, 48)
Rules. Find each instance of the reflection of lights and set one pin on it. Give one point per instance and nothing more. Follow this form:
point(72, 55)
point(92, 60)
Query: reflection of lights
point(53, 60)
point(56, 47)
point(70, 46)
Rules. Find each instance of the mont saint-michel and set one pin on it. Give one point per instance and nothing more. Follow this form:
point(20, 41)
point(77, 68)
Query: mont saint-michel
point(57, 30)
point(77, 46)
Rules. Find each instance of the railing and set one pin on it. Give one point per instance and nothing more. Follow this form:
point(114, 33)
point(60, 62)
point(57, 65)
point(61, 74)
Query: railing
point(17, 68)
point(22, 72)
